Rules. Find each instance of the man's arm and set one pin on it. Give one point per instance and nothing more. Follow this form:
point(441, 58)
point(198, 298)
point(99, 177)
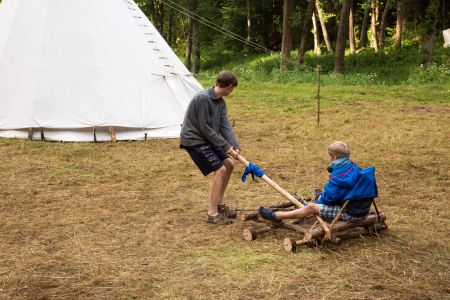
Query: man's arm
point(225, 128)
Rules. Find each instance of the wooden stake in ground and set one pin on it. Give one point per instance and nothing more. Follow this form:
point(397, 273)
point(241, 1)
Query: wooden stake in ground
point(112, 132)
point(318, 94)
point(288, 196)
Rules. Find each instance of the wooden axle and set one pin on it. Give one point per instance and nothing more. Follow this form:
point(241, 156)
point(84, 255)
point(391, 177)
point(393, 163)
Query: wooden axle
point(343, 225)
point(369, 226)
point(250, 234)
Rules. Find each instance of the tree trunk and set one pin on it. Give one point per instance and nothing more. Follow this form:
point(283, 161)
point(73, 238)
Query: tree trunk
point(444, 15)
point(170, 28)
point(377, 11)
point(373, 26)
point(324, 27)
point(341, 38)
point(383, 23)
point(286, 43)
point(430, 35)
point(351, 30)
point(249, 24)
point(268, 21)
point(399, 25)
point(364, 28)
point(188, 56)
point(150, 9)
point(317, 50)
point(306, 27)
point(161, 19)
point(195, 41)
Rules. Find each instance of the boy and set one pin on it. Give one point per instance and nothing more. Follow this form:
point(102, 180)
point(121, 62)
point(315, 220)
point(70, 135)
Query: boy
point(347, 182)
point(207, 136)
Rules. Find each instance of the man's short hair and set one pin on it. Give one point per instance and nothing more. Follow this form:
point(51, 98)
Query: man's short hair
point(339, 149)
point(225, 78)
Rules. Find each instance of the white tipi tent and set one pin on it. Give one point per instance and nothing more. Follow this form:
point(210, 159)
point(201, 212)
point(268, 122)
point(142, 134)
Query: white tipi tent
point(70, 70)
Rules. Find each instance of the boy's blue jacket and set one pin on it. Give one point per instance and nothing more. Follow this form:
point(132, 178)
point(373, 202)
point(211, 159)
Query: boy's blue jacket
point(349, 182)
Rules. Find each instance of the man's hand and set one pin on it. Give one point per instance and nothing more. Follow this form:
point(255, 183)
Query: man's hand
point(233, 153)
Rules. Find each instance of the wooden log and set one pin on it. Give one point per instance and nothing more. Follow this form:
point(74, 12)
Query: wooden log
point(254, 214)
point(250, 234)
point(249, 216)
point(375, 228)
point(343, 225)
point(291, 245)
point(282, 205)
point(291, 226)
point(335, 241)
point(361, 231)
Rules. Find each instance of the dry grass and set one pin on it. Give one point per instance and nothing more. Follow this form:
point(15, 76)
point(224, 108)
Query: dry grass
point(125, 220)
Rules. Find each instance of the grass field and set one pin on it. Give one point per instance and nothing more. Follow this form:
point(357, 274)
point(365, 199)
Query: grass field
point(126, 220)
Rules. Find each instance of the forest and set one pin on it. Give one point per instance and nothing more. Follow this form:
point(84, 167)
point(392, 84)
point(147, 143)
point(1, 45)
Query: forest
point(366, 33)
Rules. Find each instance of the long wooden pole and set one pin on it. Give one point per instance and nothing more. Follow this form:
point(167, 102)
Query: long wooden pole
point(318, 95)
point(288, 196)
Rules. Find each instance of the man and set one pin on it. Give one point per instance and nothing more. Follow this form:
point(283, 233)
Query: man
point(207, 136)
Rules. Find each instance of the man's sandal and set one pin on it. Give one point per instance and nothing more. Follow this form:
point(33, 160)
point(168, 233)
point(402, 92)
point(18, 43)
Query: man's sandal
point(226, 211)
point(218, 220)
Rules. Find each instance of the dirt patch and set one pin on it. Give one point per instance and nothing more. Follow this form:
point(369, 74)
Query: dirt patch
point(126, 220)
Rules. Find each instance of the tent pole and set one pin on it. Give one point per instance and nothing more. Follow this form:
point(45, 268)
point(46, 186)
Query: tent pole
point(95, 134)
point(30, 133)
point(113, 134)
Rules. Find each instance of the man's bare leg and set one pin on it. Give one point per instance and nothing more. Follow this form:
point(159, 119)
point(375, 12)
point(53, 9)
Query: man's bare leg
point(215, 188)
point(229, 166)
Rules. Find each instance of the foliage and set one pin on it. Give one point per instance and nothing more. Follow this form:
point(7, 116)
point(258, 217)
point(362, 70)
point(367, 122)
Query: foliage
point(228, 17)
point(366, 67)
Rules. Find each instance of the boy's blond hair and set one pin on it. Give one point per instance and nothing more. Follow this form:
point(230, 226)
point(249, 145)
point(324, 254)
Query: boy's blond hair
point(339, 149)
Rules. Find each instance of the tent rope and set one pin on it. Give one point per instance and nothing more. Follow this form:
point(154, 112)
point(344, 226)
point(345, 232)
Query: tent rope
point(212, 25)
point(177, 7)
point(160, 53)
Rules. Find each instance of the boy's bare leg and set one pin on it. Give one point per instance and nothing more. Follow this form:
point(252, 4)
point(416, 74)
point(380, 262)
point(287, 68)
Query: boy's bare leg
point(215, 188)
point(310, 209)
point(229, 166)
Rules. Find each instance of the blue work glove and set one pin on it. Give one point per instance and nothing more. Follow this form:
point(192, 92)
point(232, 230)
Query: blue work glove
point(253, 170)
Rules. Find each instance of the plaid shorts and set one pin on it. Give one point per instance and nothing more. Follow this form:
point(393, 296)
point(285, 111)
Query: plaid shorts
point(330, 212)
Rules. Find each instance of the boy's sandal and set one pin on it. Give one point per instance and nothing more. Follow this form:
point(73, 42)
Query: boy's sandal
point(226, 211)
point(218, 220)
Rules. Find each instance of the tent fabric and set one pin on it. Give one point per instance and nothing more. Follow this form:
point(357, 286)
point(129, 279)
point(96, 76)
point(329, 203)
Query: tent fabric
point(67, 67)
point(446, 34)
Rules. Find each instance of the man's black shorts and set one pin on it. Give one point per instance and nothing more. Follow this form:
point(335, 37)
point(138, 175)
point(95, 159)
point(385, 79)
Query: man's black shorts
point(207, 158)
